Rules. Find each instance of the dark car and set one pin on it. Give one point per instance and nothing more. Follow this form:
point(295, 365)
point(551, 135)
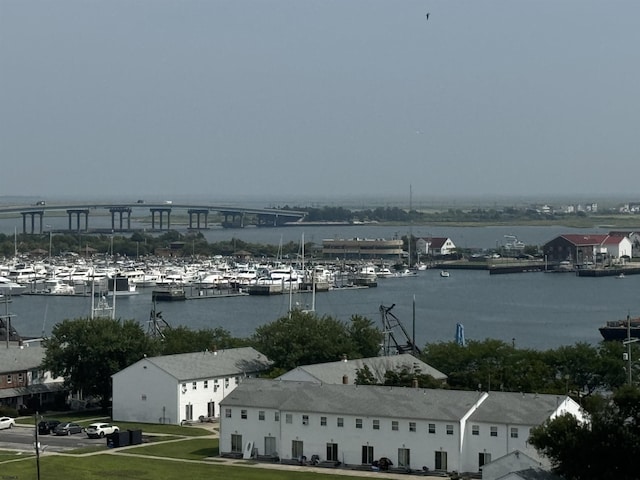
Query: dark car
point(67, 429)
point(45, 427)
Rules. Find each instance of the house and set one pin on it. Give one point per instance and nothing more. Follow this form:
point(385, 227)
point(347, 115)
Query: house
point(23, 381)
point(581, 249)
point(517, 465)
point(435, 246)
point(346, 371)
point(182, 387)
point(445, 430)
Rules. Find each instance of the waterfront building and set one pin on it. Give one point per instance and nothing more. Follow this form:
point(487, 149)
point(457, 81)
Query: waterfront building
point(435, 246)
point(362, 248)
point(182, 387)
point(587, 249)
point(443, 430)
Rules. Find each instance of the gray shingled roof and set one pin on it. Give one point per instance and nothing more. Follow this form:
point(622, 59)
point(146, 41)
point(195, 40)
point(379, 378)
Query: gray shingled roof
point(522, 408)
point(16, 359)
point(366, 400)
point(537, 474)
point(333, 372)
point(233, 361)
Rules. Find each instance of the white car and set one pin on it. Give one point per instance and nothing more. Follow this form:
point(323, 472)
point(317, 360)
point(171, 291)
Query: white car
point(7, 422)
point(100, 429)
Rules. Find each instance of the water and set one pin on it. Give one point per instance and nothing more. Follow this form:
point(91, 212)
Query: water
point(534, 310)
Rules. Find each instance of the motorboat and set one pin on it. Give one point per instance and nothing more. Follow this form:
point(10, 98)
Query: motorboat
point(9, 287)
point(444, 273)
point(55, 286)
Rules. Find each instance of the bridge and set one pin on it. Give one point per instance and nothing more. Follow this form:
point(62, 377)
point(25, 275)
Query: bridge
point(78, 215)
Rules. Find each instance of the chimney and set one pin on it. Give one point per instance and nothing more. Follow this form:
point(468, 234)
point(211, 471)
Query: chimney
point(345, 379)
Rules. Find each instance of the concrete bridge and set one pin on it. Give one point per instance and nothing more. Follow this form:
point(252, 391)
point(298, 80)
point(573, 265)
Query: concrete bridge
point(78, 215)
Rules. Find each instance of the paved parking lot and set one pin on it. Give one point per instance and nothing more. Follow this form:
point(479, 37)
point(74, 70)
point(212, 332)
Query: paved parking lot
point(23, 438)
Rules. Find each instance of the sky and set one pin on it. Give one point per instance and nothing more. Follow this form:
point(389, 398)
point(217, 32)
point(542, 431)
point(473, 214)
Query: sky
point(319, 99)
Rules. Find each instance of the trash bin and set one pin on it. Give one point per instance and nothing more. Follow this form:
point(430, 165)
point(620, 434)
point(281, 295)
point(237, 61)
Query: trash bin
point(135, 437)
point(118, 439)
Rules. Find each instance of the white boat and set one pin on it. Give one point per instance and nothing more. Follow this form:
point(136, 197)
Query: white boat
point(55, 286)
point(384, 272)
point(444, 274)
point(9, 287)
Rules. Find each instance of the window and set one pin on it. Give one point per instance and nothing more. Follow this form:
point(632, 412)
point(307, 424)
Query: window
point(288, 418)
point(227, 413)
point(475, 430)
point(237, 380)
point(305, 419)
point(412, 426)
point(340, 422)
point(514, 432)
point(394, 425)
point(376, 424)
point(449, 429)
point(494, 431)
point(205, 384)
point(143, 397)
point(432, 428)
point(367, 455)
point(20, 378)
point(358, 423)
point(194, 385)
point(276, 416)
point(184, 387)
point(261, 415)
point(243, 414)
point(332, 452)
point(323, 421)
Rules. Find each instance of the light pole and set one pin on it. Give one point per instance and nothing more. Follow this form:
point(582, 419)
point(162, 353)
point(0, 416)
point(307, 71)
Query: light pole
point(628, 343)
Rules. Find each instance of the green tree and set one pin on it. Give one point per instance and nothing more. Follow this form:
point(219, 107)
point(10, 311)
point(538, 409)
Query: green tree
point(184, 340)
point(605, 448)
point(86, 352)
point(365, 336)
point(304, 338)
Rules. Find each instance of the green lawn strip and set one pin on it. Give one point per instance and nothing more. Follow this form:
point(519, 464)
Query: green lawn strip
point(189, 449)
point(6, 455)
point(136, 468)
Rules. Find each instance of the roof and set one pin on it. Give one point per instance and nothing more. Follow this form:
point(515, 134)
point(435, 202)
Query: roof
point(334, 372)
point(578, 239)
point(517, 408)
point(31, 389)
point(534, 474)
point(233, 361)
point(437, 242)
point(365, 400)
point(20, 358)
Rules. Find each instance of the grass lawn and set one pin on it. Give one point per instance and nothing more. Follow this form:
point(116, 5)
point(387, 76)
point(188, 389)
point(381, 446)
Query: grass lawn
point(192, 449)
point(135, 468)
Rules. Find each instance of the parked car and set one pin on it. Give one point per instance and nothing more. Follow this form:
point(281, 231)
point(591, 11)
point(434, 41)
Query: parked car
point(7, 422)
point(67, 428)
point(45, 427)
point(100, 429)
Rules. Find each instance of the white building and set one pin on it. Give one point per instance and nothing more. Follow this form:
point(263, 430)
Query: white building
point(435, 246)
point(187, 386)
point(446, 430)
point(346, 371)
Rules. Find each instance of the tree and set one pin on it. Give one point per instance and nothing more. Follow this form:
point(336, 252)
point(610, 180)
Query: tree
point(303, 338)
point(183, 340)
point(604, 448)
point(366, 337)
point(86, 352)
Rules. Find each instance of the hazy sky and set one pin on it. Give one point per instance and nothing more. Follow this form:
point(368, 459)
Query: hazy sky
point(319, 98)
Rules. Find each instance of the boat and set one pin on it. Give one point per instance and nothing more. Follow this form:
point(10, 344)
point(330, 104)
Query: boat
point(123, 286)
point(621, 329)
point(9, 287)
point(55, 286)
point(168, 294)
point(621, 275)
point(444, 273)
